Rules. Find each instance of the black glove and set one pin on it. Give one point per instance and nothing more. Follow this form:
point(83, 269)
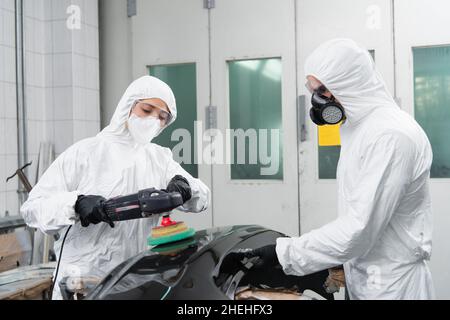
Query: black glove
point(267, 256)
point(181, 185)
point(90, 210)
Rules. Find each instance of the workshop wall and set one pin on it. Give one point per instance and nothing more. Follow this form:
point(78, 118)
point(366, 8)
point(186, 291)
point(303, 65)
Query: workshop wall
point(61, 83)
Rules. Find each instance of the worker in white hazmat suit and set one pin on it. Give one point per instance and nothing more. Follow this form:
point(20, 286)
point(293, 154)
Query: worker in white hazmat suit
point(118, 161)
point(383, 233)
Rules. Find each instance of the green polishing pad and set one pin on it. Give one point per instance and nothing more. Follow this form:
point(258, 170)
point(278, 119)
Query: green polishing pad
point(171, 238)
point(179, 245)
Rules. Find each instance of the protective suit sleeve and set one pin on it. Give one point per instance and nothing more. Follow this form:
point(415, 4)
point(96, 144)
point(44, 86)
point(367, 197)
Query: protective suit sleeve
point(50, 205)
point(200, 192)
point(385, 170)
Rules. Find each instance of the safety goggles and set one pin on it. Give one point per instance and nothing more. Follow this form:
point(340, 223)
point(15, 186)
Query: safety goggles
point(149, 110)
point(320, 90)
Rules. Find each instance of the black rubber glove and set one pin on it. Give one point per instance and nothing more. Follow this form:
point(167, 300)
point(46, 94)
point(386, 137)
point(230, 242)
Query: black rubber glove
point(181, 185)
point(89, 208)
point(267, 256)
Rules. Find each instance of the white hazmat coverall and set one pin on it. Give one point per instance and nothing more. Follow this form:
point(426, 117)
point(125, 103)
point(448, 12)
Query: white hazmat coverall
point(109, 165)
point(383, 232)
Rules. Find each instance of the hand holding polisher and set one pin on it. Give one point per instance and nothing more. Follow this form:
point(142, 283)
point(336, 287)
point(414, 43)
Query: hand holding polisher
point(95, 209)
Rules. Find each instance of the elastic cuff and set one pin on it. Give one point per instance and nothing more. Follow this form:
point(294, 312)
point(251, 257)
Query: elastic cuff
point(70, 199)
point(282, 248)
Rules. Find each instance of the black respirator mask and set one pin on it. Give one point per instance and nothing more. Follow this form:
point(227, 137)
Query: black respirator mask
point(325, 111)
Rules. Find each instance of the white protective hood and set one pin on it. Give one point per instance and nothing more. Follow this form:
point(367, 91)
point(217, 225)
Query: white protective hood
point(146, 87)
point(348, 71)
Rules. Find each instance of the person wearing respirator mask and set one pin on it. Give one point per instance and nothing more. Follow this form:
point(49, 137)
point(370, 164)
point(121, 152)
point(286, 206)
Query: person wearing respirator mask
point(147, 120)
point(383, 233)
point(121, 160)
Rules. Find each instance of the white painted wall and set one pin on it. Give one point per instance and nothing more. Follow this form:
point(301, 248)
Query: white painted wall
point(8, 115)
point(73, 74)
point(115, 55)
point(62, 83)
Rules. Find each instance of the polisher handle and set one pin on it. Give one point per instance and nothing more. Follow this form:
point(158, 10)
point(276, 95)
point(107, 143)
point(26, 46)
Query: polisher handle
point(142, 205)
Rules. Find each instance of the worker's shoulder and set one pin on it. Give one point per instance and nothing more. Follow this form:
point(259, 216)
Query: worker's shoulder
point(85, 146)
point(394, 126)
point(160, 150)
point(392, 138)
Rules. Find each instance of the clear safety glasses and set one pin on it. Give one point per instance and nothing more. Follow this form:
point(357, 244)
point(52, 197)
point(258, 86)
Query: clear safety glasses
point(144, 110)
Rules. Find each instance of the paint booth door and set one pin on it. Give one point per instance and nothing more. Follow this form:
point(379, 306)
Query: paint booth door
point(181, 60)
point(255, 171)
point(423, 68)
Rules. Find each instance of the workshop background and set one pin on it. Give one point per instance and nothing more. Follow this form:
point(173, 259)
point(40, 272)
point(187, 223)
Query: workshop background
point(64, 65)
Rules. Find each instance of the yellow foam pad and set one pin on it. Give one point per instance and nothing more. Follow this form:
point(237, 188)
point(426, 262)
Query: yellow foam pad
point(166, 231)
